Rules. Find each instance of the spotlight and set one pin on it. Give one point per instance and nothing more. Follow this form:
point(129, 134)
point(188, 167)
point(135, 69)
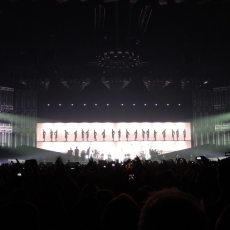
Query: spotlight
point(59, 104)
point(107, 104)
point(134, 104)
point(71, 104)
point(178, 104)
point(95, 104)
point(145, 104)
point(84, 104)
point(155, 104)
point(48, 104)
point(167, 104)
point(122, 104)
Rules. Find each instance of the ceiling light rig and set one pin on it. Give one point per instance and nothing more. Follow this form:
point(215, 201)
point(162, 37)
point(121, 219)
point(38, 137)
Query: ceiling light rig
point(154, 85)
point(189, 84)
point(36, 84)
point(75, 85)
point(118, 59)
point(116, 84)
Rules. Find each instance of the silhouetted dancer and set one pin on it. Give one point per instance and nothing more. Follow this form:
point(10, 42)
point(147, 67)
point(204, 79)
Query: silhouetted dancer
point(76, 151)
point(147, 134)
point(95, 135)
point(164, 134)
point(83, 155)
point(113, 133)
point(51, 135)
point(143, 134)
point(184, 133)
point(44, 135)
point(82, 134)
point(66, 135)
point(56, 135)
point(103, 135)
point(177, 134)
point(173, 134)
point(87, 135)
point(119, 134)
point(135, 135)
point(127, 135)
point(75, 135)
point(155, 135)
point(69, 154)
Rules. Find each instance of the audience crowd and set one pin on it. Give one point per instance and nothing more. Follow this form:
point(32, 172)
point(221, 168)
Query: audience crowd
point(135, 195)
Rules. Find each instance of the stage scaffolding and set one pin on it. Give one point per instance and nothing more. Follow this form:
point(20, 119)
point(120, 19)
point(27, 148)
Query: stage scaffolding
point(211, 121)
point(25, 120)
point(6, 108)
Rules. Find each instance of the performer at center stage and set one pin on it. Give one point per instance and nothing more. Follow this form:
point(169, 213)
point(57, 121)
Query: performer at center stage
point(95, 154)
point(76, 151)
point(103, 135)
point(164, 134)
point(113, 133)
point(66, 135)
point(119, 134)
point(155, 135)
point(95, 135)
point(56, 135)
point(87, 135)
point(135, 135)
point(51, 135)
point(147, 134)
point(173, 134)
point(75, 135)
point(82, 135)
point(127, 135)
point(184, 133)
point(83, 155)
point(177, 134)
point(143, 134)
point(44, 135)
point(69, 153)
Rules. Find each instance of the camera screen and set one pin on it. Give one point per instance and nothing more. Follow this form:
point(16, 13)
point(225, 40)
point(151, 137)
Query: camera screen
point(131, 176)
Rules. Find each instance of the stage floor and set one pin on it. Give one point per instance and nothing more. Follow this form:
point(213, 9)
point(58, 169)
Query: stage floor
point(117, 149)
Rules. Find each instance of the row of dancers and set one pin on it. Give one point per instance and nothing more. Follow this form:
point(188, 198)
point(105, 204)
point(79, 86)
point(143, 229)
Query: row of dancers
point(145, 135)
point(86, 154)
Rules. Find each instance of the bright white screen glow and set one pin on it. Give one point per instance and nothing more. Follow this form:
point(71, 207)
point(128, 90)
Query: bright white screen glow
point(117, 148)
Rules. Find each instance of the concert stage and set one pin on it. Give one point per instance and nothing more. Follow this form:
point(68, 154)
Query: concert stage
point(41, 155)
point(115, 140)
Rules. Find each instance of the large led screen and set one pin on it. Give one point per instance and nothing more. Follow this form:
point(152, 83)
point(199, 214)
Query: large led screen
point(116, 139)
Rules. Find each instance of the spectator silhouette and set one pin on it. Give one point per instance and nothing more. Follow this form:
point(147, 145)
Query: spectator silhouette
point(215, 208)
point(85, 214)
point(121, 213)
point(223, 222)
point(104, 196)
point(19, 215)
point(172, 209)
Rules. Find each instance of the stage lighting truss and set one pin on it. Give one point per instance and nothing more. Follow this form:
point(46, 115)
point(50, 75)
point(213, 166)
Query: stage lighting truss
point(118, 59)
point(189, 84)
point(154, 85)
point(75, 85)
point(6, 99)
point(36, 84)
point(115, 84)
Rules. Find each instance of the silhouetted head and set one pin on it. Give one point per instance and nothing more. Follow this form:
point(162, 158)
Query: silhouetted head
point(223, 174)
point(121, 213)
point(223, 223)
point(172, 209)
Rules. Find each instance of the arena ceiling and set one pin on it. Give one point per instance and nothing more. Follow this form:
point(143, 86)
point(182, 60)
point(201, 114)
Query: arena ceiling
point(97, 51)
